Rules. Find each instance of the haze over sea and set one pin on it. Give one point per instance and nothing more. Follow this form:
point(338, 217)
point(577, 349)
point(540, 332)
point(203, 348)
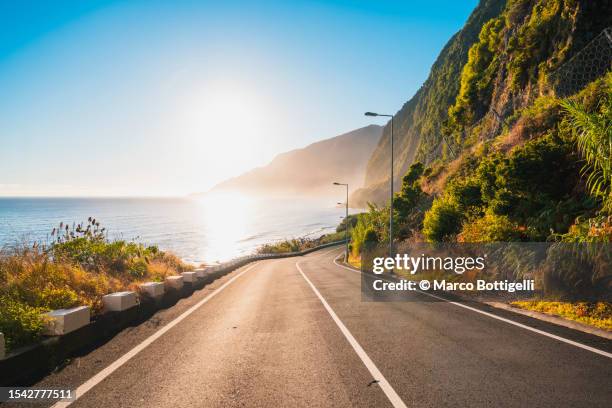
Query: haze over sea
point(209, 229)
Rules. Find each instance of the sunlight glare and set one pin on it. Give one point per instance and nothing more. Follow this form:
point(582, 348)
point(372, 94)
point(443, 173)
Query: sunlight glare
point(224, 126)
point(226, 217)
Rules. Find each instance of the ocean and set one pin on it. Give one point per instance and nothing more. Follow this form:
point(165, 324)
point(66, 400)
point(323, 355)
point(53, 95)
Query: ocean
point(209, 229)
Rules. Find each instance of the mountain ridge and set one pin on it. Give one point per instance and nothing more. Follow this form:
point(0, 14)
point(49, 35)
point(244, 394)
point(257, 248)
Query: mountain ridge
point(508, 54)
point(311, 169)
point(420, 118)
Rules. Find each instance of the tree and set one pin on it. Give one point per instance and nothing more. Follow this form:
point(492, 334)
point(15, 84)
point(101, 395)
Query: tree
point(405, 201)
point(593, 133)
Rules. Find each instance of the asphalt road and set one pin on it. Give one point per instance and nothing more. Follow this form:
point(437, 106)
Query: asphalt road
point(275, 334)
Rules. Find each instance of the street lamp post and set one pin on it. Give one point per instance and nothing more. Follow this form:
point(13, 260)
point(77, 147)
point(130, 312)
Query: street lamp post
point(346, 219)
point(391, 195)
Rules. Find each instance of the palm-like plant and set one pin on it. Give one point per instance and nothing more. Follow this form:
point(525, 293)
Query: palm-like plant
point(593, 132)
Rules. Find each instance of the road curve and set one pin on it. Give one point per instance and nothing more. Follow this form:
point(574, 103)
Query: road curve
point(281, 334)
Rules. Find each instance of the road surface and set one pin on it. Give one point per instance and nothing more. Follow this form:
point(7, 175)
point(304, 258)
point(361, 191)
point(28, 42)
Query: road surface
point(277, 334)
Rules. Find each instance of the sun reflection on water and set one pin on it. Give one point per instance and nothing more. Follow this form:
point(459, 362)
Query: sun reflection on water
point(226, 217)
point(206, 229)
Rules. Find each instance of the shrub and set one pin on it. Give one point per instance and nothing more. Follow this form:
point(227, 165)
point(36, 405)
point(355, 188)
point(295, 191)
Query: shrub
point(58, 298)
point(370, 238)
point(294, 244)
point(78, 268)
point(596, 229)
point(466, 193)
point(351, 221)
point(375, 221)
point(19, 322)
point(578, 271)
point(442, 221)
point(477, 77)
point(598, 314)
point(334, 237)
point(406, 203)
point(490, 228)
point(541, 42)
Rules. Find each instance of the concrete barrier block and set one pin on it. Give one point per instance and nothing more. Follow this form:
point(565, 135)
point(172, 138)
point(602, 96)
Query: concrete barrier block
point(2, 347)
point(153, 289)
point(64, 321)
point(189, 277)
point(174, 282)
point(119, 301)
point(200, 272)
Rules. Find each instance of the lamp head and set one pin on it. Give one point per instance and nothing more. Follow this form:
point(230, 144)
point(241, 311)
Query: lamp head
point(371, 114)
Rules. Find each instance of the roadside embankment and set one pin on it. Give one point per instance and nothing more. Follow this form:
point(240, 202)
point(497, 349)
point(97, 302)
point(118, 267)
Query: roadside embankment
point(24, 364)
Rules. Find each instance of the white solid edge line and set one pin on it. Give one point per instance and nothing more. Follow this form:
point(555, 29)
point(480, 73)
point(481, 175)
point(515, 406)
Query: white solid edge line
point(512, 322)
point(96, 379)
point(395, 399)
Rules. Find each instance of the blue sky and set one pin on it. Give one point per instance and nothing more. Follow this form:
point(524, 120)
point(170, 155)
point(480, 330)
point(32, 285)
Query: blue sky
point(171, 97)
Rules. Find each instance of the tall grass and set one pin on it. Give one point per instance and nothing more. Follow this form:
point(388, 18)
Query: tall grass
point(299, 244)
point(79, 267)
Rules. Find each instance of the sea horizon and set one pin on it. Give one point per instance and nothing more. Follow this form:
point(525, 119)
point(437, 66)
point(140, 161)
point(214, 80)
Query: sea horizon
point(198, 230)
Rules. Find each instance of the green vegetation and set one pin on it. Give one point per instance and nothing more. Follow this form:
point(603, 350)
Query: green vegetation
point(333, 237)
point(477, 76)
point(597, 314)
point(419, 121)
point(507, 159)
point(408, 202)
point(504, 61)
point(351, 221)
point(287, 245)
point(530, 188)
point(77, 268)
point(300, 244)
point(371, 228)
point(592, 130)
point(442, 221)
point(514, 53)
point(528, 184)
point(547, 176)
point(542, 41)
point(490, 228)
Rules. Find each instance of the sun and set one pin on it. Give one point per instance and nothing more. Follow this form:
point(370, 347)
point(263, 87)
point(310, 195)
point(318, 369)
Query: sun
point(232, 123)
point(225, 126)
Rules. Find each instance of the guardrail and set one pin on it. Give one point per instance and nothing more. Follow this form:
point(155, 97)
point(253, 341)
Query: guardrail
point(72, 331)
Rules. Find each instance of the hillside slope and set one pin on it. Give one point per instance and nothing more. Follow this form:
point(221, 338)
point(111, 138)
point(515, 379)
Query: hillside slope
point(508, 54)
point(525, 150)
point(418, 122)
point(312, 169)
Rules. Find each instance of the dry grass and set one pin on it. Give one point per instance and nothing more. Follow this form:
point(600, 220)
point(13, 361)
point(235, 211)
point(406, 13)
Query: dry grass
point(597, 314)
point(517, 136)
point(299, 244)
point(434, 185)
point(40, 280)
point(34, 280)
point(354, 261)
